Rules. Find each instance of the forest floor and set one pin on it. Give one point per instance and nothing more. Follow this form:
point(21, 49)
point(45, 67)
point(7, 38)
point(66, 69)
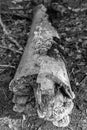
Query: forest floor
point(71, 24)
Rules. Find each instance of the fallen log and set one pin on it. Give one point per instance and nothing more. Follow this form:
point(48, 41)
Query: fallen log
point(42, 68)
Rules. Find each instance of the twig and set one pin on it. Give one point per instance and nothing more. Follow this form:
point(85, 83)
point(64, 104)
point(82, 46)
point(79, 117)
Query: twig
point(7, 66)
point(77, 9)
point(3, 26)
point(4, 94)
point(13, 50)
point(8, 34)
point(17, 15)
point(16, 8)
point(14, 41)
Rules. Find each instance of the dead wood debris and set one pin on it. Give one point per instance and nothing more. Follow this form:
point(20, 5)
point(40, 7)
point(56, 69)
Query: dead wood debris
point(13, 50)
point(64, 9)
point(7, 66)
point(7, 33)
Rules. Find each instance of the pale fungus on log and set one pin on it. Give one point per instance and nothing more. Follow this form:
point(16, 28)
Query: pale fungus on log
point(42, 68)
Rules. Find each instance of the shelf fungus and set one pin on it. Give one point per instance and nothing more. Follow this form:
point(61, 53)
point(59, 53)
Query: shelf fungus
point(43, 70)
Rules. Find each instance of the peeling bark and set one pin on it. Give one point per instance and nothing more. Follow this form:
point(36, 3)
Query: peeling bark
point(43, 69)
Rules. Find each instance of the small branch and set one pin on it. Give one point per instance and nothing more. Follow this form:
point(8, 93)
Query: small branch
point(14, 41)
point(6, 66)
point(77, 9)
point(3, 26)
point(4, 94)
point(62, 9)
point(8, 34)
point(16, 8)
point(15, 51)
point(16, 15)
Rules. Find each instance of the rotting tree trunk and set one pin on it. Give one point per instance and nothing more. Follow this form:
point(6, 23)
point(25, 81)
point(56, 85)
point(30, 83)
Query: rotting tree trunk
point(42, 69)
